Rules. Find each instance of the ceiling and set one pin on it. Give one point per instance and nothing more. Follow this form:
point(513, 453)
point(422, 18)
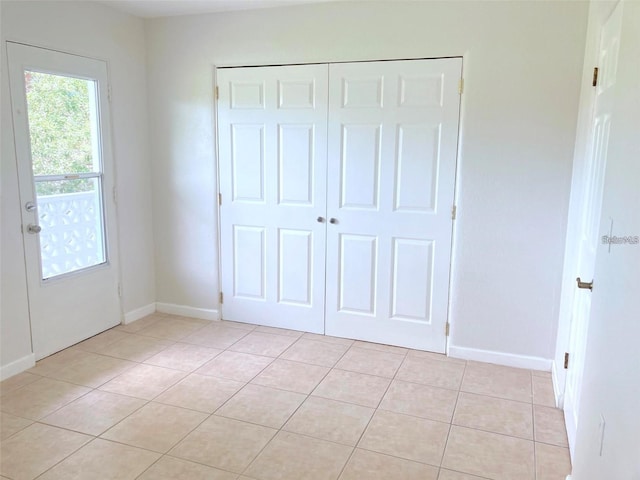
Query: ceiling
point(170, 8)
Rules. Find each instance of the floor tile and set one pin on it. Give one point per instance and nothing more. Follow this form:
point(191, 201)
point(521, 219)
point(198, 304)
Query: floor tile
point(169, 468)
point(490, 455)
point(216, 336)
point(549, 426)
point(381, 348)
point(92, 370)
point(371, 362)
point(94, 413)
point(497, 381)
point(143, 381)
point(435, 356)
point(224, 443)
point(138, 325)
point(265, 344)
point(451, 475)
point(420, 400)
point(10, 424)
point(171, 329)
point(104, 460)
point(292, 376)
point(540, 373)
point(231, 324)
point(55, 362)
point(279, 331)
point(17, 381)
point(314, 352)
point(135, 347)
point(102, 340)
point(262, 405)
point(494, 415)
point(352, 387)
point(552, 463)
point(328, 339)
point(37, 448)
point(40, 398)
point(376, 466)
point(431, 372)
point(543, 391)
point(235, 366)
point(155, 427)
point(330, 420)
point(200, 392)
point(406, 437)
point(292, 456)
point(183, 356)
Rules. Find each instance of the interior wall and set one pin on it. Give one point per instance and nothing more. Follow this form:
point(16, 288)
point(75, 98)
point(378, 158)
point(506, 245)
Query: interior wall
point(522, 69)
point(611, 382)
point(94, 30)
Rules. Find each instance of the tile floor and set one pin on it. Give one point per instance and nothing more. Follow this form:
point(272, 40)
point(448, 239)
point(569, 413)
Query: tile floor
point(170, 397)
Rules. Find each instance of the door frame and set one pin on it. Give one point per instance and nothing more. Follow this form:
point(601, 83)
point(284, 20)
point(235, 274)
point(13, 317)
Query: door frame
point(456, 186)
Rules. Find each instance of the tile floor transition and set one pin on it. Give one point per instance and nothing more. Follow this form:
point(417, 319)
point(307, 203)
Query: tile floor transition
point(171, 397)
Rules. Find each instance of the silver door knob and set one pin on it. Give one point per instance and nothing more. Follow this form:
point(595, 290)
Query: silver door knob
point(31, 228)
point(333, 220)
point(320, 219)
point(30, 206)
point(586, 285)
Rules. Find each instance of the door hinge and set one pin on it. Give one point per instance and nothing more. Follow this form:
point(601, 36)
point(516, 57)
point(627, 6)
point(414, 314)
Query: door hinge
point(114, 193)
point(566, 360)
point(454, 212)
point(221, 298)
point(594, 83)
point(217, 93)
point(109, 92)
point(446, 329)
point(219, 199)
point(461, 86)
point(119, 290)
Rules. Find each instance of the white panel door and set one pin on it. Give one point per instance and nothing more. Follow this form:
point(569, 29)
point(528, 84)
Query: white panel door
point(591, 201)
point(393, 130)
point(272, 124)
point(66, 179)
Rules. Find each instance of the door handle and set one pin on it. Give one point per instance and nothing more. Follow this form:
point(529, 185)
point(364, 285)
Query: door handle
point(30, 207)
point(320, 219)
point(33, 229)
point(585, 285)
point(333, 220)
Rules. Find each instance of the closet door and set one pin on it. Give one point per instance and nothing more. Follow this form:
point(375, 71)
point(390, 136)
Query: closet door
point(393, 129)
point(272, 130)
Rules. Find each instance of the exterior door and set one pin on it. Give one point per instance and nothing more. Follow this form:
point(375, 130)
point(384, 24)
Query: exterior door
point(393, 131)
point(66, 181)
point(593, 184)
point(272, 124)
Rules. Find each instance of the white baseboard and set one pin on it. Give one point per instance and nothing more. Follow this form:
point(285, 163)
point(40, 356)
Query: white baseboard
point(186, 311)
point(559, 395)
point(500, 358)
point(139, 313)
point(17, 366)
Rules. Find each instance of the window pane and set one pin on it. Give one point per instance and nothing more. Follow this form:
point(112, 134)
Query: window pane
point(70, 215)
point(62, 124)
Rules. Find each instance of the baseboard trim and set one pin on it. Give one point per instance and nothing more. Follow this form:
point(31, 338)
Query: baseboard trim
point(187, 311)
point(139, 313)
point(500, 358)
point(559, 395)
point(17, 366)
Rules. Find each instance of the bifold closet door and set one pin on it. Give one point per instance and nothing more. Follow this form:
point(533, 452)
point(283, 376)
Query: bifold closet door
point(393, 129)
point(272, 130)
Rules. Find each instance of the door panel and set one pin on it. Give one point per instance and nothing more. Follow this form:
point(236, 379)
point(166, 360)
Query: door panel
point(272, 144)
point(393, 129)
point(593, 185)
point(66, 179)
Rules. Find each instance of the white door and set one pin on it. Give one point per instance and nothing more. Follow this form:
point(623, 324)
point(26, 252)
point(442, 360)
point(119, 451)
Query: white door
point(591, 202)
point(272, 124)
point(66, 180)
point(393, 131)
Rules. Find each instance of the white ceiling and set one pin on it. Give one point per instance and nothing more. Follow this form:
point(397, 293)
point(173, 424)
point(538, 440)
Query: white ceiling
point(170, 8)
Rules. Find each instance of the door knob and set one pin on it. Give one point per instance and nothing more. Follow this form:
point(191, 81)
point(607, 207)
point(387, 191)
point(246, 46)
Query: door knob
point(333, 220)
point(32, 228)
point(30, 206)
point(586, 285)
point(320, 219)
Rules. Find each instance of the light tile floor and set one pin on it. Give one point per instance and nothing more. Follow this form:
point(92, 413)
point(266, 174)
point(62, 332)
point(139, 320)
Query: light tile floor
point(170, 397)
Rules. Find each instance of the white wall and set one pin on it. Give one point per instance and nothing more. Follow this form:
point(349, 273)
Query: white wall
point(611, 384)
point(93, 30)
point(522, 68)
